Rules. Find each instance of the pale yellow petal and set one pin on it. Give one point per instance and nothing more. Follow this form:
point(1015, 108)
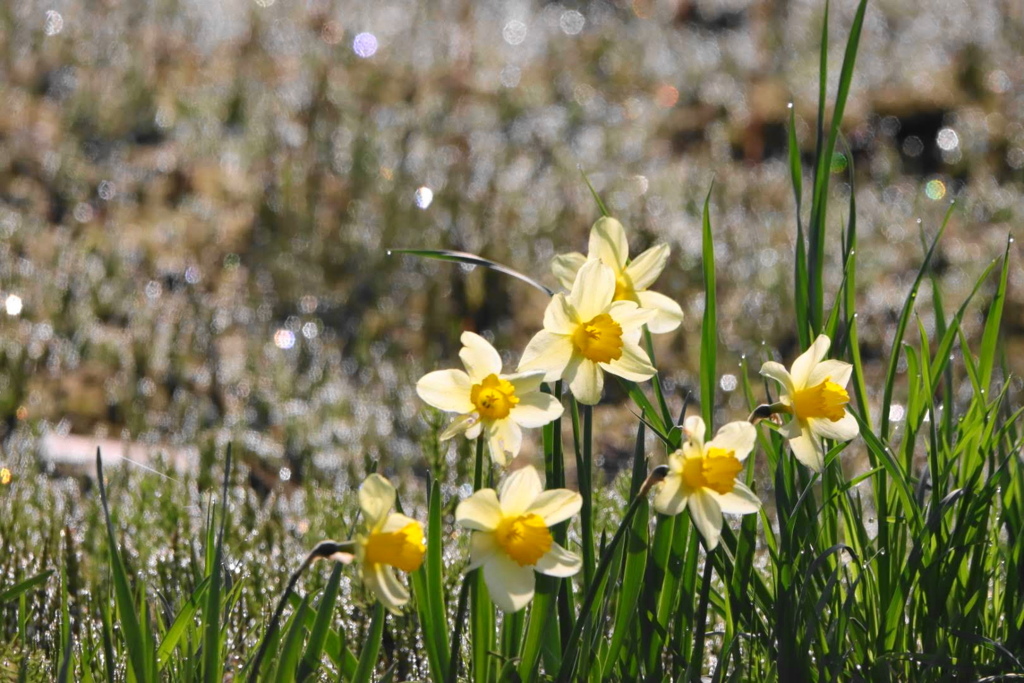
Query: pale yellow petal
point(608, 243)
point(593, 290)
point(668, 315)
point(670, 498)
point(504, 439)
point(559, 316)
point(376, 498)
point(565, 267)
point(559, 562)
point(779, 373)
point(646, 267)
point(707, 517)
point(634, 364)
point(510, 586)
point(840, 430)
point(805, 363)
point(536, 410)
point(740, 501)
point(835, 371)
point(480, 358)
point(586, 380)
point(519, 490)
point(547, 352)
point(446, 390)
point(808, 449)
point(480, 512)
point(630, 317)
point(556, 505)
point(738, 437)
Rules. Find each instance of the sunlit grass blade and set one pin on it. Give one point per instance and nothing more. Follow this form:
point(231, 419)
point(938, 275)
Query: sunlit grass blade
point(796, 174)
point(142, 662)
point(709, 328)
point(368, 656)
point(289, 655)
point(14, 592)
point(901, 328)
point(473, 260)
point(321, 627)
point(182, 622)
point(212, 654)
point(428, 586)
point(990, 337)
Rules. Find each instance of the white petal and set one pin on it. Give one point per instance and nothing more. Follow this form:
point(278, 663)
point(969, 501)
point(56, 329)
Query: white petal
point(668, 314)
point(463, 423)
point(381, 579)
point(548, 352)
point(504, 439)
point(646, 267)
point(480, 512)
point(808, 450)
point(779, 373)
point(446, 390)
point(525, 382)
point(536, 410)
point(474, 431)
point(559, 316)
point(397, 522)
point(510, 586)
point(671, 498)
point(556, 505)
point(376, 498)
point(608, 243)
point(593, 290)
point(519, 490)
point(740, 501)
point(480, 358)
point(558, 562)
point(482, 547)
point(634, 364)
point(840, 430)
point(586, 380)
point(707, 517)
point(833, 370)
point(738, 437)
point(805, 363)
point(565, 267)
point(630, 316)
point(695, 429)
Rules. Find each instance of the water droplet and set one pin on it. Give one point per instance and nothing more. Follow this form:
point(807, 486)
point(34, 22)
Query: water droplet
point(423, 197)
point(12, 304)
point(54, 23)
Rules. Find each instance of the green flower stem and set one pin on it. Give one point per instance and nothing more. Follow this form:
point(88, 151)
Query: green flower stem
point(482, 611)
point(584, 475)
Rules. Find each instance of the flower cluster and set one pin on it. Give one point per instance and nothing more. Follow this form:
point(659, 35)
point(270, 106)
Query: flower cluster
point(592, 329)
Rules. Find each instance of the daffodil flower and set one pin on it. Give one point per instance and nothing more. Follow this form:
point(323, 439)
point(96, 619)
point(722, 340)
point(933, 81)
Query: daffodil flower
point(588, 333)
point(487, 401)
point(388, 541)
point(632, 278)
point(814, 393)
point(512, 535)
point(702, 476)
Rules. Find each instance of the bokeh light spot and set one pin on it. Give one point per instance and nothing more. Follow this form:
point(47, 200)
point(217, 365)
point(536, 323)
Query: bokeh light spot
point(935, 189)
point(423, 197)
point(666, 96)
point(365, 45)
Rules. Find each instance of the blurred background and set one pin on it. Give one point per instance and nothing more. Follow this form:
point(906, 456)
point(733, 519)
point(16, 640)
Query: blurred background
point(197, 199)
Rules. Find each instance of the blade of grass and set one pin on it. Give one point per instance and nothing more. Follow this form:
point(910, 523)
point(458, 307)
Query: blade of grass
point(368, 657)
point(473, 260)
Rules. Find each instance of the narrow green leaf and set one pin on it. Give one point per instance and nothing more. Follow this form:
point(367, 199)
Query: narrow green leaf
point(473, 260)
point(131, 628)
point(14, 592)
point(709, 329)
point(182, 622)
point(368, 656)
point(321, 627)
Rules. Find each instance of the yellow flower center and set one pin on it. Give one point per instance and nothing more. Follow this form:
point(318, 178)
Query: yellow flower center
point(525, 538)
point(624, 288)
point(402, 549)
point(716, 470)
point(494, 398)
point(827, 399)
point(600, 339)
